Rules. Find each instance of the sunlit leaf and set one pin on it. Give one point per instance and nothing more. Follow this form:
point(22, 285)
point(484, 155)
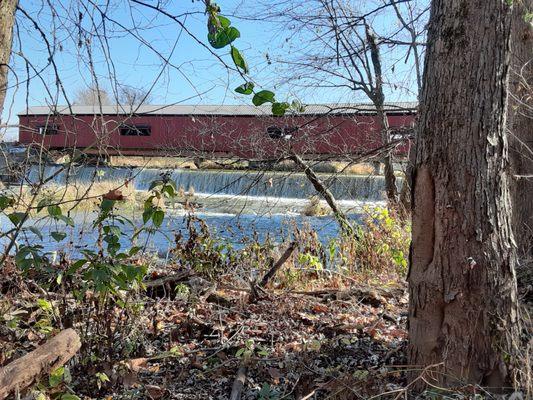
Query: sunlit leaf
point(223, 37)
point(280, 109)
point(245, 88)
point(238, 59)
point(56, 377)
point(262, 97)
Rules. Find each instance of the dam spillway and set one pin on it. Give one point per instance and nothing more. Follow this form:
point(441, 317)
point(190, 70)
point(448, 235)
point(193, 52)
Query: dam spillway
point(284, 185)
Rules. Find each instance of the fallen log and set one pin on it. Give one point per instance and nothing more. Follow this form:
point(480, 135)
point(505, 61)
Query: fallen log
point(164, 286)
point(238, 384)
point(21, 373)
point(180, 276)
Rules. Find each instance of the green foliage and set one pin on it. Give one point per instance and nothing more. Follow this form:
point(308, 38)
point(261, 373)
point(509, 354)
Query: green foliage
point(267, 392)
point(238, 59)
point(246, 88)
point(58, 236)
point(58, 380)
point(250, 349)
point(310, 261)
point(223, 37)
point(56, 377)
point(110, 267)
point(16, 217)
point(221, 34)
point(262, 97)
point(101, 379)
point(30, 257)
point(280, 109)
point(6, 202)
point(182, 291)
point(384, 241)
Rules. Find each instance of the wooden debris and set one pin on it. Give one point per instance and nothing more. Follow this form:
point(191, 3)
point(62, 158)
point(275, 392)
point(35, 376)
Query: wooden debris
point(272, 271)
point(21, 373)
point(180, 276)
point(165, 286)
point(238, 383)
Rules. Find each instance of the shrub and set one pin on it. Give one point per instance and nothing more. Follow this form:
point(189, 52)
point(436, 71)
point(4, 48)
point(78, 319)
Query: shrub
point(382, 246)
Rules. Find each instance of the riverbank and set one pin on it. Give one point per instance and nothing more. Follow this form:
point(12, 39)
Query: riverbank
point(299, 317)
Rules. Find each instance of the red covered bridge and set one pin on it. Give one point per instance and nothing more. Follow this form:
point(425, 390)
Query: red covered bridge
point(213, 130)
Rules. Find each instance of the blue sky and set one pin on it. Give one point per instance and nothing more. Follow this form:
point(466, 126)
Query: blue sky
point(193, 75)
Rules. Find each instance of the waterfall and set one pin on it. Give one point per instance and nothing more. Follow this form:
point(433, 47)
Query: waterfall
point(238, 183)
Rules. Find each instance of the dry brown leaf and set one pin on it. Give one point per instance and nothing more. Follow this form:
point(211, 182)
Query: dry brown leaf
point(274, 374)
point(136, 364)
point(154, 392)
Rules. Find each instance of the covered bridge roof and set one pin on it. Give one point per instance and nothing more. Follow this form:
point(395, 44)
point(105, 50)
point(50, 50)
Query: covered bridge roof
point(236, 110)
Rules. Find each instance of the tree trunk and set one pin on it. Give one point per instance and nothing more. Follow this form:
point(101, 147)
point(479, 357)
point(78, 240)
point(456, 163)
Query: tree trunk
point(388, 169)
point(463, 306)
point(520, 121)
point(378, 98)
point(7, 20)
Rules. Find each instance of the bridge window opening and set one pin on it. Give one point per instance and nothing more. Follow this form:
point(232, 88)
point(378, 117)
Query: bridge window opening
point(47, 129)
point(135, 130)
point(401, 133)
point(275, 132)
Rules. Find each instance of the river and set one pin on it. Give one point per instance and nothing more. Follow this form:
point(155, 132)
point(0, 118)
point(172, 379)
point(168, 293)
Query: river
point(236, 205)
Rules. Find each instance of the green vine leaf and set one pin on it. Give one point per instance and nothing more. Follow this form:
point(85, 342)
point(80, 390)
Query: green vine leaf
point(224, 36)
point(224, 22)
point(245, 88)
point(221, 34)
point(262, 97)
point(238, 59)
point(279, 109)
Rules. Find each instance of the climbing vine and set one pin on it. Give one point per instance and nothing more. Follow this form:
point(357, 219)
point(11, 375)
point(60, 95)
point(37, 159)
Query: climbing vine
point(222, 34)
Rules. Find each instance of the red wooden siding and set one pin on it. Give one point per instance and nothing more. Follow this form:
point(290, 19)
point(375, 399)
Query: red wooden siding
point(235, 135)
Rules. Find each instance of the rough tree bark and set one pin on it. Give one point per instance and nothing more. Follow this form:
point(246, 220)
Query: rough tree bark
point(7, 20)
point(520, 123)
point(462, 283)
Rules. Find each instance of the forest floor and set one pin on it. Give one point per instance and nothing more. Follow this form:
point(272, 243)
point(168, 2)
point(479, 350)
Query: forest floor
point(189, 338)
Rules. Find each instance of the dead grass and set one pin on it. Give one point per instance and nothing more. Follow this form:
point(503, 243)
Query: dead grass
point(79, 196)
